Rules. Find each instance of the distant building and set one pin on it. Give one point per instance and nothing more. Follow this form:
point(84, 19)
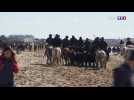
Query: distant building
point(21, 38)
point(29, 38)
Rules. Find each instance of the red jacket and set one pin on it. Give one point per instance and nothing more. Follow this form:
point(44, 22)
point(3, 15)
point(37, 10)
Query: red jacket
point(15, 65)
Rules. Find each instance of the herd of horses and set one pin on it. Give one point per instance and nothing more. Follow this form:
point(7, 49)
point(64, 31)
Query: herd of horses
point(74, 57)
point(71, 56)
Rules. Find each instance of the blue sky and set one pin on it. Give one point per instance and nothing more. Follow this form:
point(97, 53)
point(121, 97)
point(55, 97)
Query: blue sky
point(85, 24)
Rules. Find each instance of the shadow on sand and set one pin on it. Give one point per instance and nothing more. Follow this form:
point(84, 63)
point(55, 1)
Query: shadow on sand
point(50, 65)
point(45, 65)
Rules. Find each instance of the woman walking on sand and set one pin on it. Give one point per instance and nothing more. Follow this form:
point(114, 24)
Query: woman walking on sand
point(8, 66)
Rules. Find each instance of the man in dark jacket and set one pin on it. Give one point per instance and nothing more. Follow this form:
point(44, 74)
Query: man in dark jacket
point(96, 44)
point(80, 42)
point(103, 46)
point(57, 41)
point(49, 40)
point(87, 44)
point(129, 42)
point(121, 42)
point(124, 74)
point(73, 41)
point(65, 42)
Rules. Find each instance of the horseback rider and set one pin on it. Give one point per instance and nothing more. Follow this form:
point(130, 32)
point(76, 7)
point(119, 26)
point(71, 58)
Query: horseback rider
point(57, 41)
point(129, 42)
point(87, 43)
point(73, 41)
point(49, 40)
point(65, 42)
point(103, 44)
point(80, 42)
point(121, 42)
point(96, 44)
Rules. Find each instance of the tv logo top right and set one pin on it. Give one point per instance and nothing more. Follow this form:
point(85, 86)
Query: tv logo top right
point(121, 18)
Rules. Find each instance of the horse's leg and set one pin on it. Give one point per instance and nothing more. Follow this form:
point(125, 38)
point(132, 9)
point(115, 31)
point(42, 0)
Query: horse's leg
point(53, 61)
point(66, 64)
point(68, 61)
point(105, 65)
point(56, 61)
point(71, 60)
point(59, 61)
point(98, 63)
point(89, 63)
point(101, 64)
point(64, 58)
point(48, 59)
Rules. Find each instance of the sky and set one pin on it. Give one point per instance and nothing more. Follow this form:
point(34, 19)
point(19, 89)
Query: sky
point(85, 24)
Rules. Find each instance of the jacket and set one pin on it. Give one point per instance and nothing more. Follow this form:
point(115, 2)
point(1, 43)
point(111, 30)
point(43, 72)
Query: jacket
point(122, 76)
point(15, 65)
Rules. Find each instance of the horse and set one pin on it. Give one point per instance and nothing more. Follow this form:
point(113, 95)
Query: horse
point(66, 56)
point(57, 56)
point(101, 58)
point(49, 54)
point(122, 47)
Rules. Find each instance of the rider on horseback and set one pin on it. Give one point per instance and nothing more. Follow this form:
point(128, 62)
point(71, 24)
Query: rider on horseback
point(129, 42)
point(49, 40)
point(57, 41)
point(65, 42)
point(103, 46)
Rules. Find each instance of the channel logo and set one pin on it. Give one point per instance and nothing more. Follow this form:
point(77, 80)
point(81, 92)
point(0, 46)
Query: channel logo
point(121, 18)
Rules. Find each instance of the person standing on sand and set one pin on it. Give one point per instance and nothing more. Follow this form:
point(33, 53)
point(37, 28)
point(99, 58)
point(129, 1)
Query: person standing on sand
point(8, 66)
point(124, 74)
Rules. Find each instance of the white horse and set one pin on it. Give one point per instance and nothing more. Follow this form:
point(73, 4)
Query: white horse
point(101, 58)
point(57, 56)
point(53, 55)
point(122, 46)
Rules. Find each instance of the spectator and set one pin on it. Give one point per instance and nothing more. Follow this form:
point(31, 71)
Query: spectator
point(8, 65)
point(124, 74)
